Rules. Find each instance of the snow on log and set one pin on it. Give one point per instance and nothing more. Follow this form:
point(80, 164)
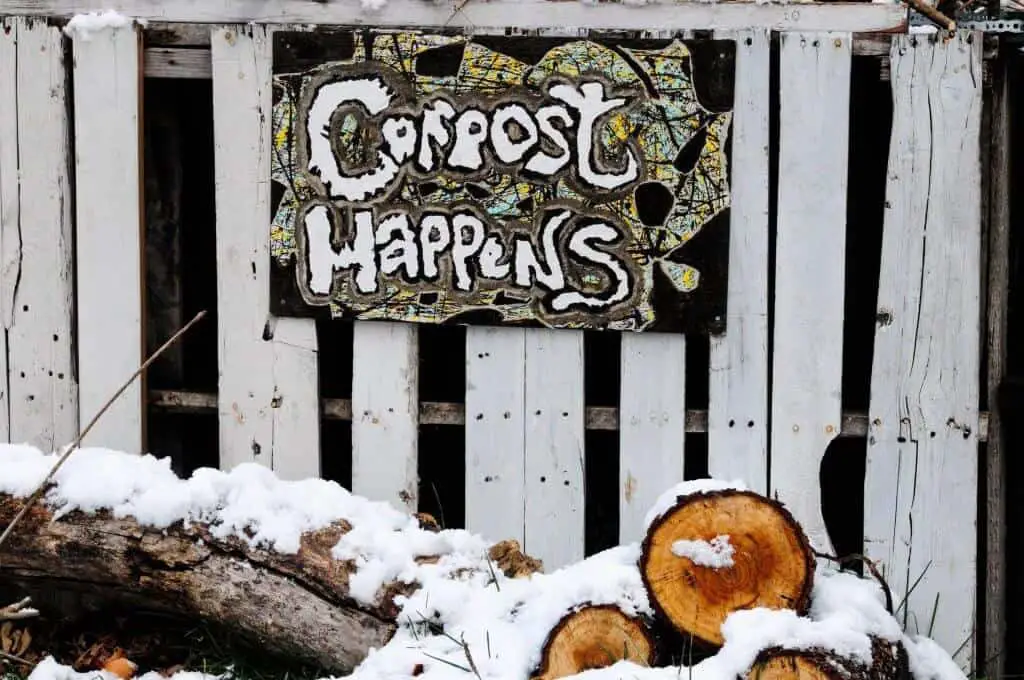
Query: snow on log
point(303, 568)
point(594, 637)
point(720, 550)
point(889, 662)
point(189, 572)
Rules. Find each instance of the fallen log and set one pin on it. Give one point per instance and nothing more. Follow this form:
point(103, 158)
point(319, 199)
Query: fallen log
point(716, 552)
point(889, 662)
point(594, 637)
point(298, 605)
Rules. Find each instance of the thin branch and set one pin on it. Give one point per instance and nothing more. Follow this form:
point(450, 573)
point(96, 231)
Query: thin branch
point(78, 440)
point(871, 567)
point(18, 611)
point(16, 659)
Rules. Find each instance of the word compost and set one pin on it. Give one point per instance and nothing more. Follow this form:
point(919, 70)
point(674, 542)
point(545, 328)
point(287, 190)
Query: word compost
point(432, 179)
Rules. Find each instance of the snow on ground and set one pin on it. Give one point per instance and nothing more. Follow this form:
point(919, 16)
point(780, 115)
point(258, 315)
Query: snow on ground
point(502, 622)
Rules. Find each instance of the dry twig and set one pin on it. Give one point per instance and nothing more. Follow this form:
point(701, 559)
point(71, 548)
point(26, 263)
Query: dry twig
point(18, 611)
point(78, 440)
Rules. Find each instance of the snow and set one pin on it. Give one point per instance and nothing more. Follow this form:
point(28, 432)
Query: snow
point(716, 553)
point(84, 26)
point(670, 497)
point(501, 623)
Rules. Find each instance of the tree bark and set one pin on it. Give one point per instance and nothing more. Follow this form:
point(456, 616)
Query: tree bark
point(594, 637)
point(889, 662)
point(772, 562)
point(297, 605)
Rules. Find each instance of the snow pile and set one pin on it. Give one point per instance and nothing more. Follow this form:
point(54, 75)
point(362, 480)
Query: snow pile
point(716, 553)
point(85, 26)
point(466, 618)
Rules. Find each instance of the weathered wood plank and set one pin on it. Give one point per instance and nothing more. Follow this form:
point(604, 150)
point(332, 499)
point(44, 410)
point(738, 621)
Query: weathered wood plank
point(921, 486)
point(295, 402)
point(524, 14)
point(554, 446)
point(600, 418)
point(738, 380)
point(810, 265)
point(268, 367)
point(385, 426)
point(109, 255)
point(495, 436)
point(166, 57)
point(10, 206)
point(38, 291)
point(999, 175)
point(170, 62)
point(652, 425)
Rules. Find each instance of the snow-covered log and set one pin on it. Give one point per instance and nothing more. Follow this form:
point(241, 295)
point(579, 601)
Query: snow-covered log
point(719, 550)
point(215, 549)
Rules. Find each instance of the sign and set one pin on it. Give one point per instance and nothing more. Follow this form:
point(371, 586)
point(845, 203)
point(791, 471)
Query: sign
point(432, 178)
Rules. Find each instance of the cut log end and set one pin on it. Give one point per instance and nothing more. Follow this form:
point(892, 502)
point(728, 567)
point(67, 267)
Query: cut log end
point(889, 662)
point(790, 666)
point(594, 637)
point(770, 563)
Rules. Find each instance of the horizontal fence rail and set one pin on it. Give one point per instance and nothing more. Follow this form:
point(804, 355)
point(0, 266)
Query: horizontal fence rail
point(598, 418)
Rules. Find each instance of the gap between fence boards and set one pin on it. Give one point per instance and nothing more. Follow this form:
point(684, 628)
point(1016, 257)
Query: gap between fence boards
point(451, 413)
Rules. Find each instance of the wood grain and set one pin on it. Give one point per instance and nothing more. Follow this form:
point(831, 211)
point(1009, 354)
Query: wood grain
point(385, 427)
point(738, 379)
point(268, 396)
point(495, 433)
point(498, 14)
point(810, 265)
point(109, 227)
point(922, 470)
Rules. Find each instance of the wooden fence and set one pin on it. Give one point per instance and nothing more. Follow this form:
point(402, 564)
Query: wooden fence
point(72, 259)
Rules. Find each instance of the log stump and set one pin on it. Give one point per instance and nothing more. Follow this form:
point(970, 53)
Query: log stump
point(769, 561)
point(889, 662)
point(594, 637)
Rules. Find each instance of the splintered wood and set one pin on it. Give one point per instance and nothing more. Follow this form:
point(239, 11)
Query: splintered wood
point(920, 497)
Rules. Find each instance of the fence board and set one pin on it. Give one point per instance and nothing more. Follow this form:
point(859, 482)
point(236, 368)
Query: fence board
point(921, 485)
point(554, 446)
point(809, 281)
point(10, 219)
point(495, 437)
point(109, 232)
point(36, 255)
point(385, 413)
point(652, 424)
point(495, 15)
point(268, 367)
point(738, 380)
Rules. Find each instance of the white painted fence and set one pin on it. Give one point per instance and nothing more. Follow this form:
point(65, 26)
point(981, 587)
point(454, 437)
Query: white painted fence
point(524, 409)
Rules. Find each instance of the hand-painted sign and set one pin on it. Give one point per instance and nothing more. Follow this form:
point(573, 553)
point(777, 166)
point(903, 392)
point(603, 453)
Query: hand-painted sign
point(516, 180)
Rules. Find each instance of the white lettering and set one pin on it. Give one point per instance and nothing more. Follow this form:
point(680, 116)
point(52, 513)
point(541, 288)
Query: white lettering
point(374, 96)
point(470, 133)
point(323, 260)
point(463, 224)
point(579, 245)
point(505, 148)
point(588, 99)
